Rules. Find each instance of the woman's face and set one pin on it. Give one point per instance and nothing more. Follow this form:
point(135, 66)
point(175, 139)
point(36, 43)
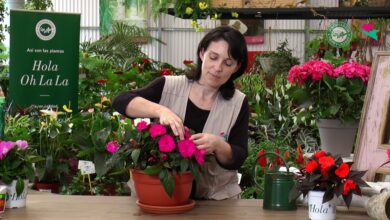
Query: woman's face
point(217, 65)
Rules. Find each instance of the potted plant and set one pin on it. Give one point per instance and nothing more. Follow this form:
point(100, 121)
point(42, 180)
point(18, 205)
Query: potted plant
point(15, 170)
point(53, 148)
point(162, 166)
point(335, 95)
point(324, 178)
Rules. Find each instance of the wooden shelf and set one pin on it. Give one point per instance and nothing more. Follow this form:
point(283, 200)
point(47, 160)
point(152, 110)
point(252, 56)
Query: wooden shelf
point(304, 13)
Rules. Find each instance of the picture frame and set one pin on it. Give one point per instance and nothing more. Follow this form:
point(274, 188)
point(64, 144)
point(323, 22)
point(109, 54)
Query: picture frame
point(373, 137)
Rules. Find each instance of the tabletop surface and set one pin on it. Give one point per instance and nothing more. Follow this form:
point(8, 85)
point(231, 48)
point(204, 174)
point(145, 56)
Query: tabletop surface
point(42, 206)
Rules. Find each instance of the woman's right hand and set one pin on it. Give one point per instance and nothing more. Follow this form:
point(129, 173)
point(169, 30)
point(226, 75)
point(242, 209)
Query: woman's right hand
point(168, 117)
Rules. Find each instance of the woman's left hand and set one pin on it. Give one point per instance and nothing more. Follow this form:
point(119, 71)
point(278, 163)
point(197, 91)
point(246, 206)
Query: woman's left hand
point(209, 142)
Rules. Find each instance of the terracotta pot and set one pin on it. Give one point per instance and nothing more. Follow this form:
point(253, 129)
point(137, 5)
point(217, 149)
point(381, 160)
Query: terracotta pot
point(150, 191)
point(47, 187)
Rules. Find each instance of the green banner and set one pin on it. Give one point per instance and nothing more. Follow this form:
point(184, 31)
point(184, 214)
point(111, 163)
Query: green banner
point(44, 59)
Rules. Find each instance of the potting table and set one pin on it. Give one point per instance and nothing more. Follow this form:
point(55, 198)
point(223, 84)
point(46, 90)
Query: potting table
point(47, 206)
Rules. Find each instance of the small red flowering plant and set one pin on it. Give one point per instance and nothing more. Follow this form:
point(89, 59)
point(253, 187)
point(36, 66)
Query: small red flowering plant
point(328, 173)
point(333, 92)
point(152, 148)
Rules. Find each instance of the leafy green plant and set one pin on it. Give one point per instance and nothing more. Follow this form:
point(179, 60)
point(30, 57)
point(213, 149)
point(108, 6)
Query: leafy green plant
point(16, 163)
point(3, 27)
point(274, 116)
point(53, 144)
point(38, 4)
point(18, 127)
point(280, 60)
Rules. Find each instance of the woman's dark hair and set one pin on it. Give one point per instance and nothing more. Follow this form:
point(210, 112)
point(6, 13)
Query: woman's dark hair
point(237, 50)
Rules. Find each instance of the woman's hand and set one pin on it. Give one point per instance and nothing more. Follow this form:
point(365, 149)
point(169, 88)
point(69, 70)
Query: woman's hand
point(168, 117)
point(206, 141)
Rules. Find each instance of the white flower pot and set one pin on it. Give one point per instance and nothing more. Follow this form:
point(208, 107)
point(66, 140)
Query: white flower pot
point(319, 211)
point(14, 201)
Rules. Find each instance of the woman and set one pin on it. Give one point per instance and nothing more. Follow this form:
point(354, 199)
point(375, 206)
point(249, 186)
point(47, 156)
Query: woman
point(205, 101)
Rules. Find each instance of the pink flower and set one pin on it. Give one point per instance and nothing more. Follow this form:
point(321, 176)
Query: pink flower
point(353, 70)
point(142, 125)
point(22, 144)
point(314, 68)
point(5, 147)
point(166, 143)
point(186, 148)
point(199, 156)
point(156, 130)
point(388, 153)
point(187, 133)
point(112, 147)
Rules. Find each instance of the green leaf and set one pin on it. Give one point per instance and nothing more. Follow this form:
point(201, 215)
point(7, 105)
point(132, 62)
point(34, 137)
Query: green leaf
point(314, 177)
point(341, 80)
point(329, 194)
point(152, 170)
point(184, 165)
point(333, 109)
point(135, 155)
point(19, 187)
point(168, 182)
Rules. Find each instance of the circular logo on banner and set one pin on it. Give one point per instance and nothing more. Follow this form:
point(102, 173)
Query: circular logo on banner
point(45, 29)
point(339, 34)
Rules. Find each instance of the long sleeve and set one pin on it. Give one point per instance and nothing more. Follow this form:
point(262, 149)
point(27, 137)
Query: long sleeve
point(151, 92)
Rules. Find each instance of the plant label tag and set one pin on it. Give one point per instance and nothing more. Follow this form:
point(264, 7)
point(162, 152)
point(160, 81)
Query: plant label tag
point(86, 167)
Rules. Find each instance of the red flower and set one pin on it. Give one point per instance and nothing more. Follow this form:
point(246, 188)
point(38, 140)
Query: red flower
point(145, 60)
point(187, 62)
point(348, 185)
point(286, 155)
point(342, 171)
point(319, 154)
point(299, 158)
point(262, 161)
point(311, 166)
point(165, 72)
point(164, 157)
point(141, 68)
point(277, 159)
point(101, 81)
point(134, 65)
point(326, 161)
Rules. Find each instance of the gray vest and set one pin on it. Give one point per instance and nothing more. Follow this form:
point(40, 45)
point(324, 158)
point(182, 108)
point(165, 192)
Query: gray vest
point(215, 182)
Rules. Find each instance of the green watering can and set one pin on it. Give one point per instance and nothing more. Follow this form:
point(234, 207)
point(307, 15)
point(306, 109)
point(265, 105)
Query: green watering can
point(277, 187)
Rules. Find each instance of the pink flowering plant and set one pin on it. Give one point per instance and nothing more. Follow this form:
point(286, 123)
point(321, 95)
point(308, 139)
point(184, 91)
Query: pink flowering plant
point(15, 163)
point(152, 148)
point(333, 92)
